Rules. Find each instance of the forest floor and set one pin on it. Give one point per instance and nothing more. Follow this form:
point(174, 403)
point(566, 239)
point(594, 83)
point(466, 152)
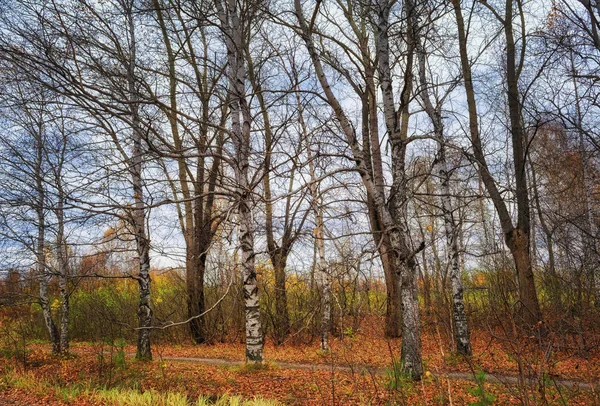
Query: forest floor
point(357, 371)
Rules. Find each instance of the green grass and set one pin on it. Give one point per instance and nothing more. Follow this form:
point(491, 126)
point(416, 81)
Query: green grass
point(70, 393)
point(227, 400)
point(132, 397)
point(397, 379)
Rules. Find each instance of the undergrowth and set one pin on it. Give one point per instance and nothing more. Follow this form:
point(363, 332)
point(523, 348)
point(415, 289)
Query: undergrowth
point(70, 393)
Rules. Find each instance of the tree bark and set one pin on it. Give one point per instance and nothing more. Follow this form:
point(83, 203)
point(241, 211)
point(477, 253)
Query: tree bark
point(63, 263)
point(278, 253)
point(396, 121)
point(393, 308)
point(143, 351)
point(402, 254)
point(241, 119)
point(43, 276)
point(461, 328)
point(196, 302)
point(325, 280)
point(410, 352)
point(518, 243)
point(516, 238)
point(41, 267)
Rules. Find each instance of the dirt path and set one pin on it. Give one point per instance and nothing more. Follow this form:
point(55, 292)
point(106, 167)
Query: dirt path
point(366, 369)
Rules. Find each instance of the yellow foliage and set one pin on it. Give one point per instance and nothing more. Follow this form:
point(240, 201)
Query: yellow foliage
point(479, 280)
point(109, 232)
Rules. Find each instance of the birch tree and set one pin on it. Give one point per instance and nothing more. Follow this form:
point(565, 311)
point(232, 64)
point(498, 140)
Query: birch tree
point(37, 130)
point(27, 166)
point(391, 216)
point(443, 170)
point(60, 152)
point(104, 83)
point(235, 19)
point(396, 122)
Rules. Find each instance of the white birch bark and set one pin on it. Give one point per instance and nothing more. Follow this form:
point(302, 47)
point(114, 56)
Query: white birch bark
point(43, 275)
point(63, 265)
point(233, 29)
point(442, 168)
point(396, 126)
point(323, 273)
point(143, 351)
point(403, 255)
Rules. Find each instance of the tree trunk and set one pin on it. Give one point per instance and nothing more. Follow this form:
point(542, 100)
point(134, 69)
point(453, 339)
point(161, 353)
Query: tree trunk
point(391, 219)
point(254, 337)
point(516, 238)
point(396, 120)
point(43, 279)
point(518, 243)
point(282, 321)
point(64, 316)
point(393, 308)
point(143, 351)
point(46, 311)
point(241, 120)
point(42, 275)
point(195, 290)
point(324, 276)
point(63, 267)
point(411, 322)
point(143, 250)
point(138, 220)
point(461, 328)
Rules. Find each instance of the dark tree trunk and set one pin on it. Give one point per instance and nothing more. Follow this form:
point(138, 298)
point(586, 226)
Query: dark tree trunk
point(196, 303)
point(518, 243)
point(282, 321)
point(516, 238)
point(393, 308)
